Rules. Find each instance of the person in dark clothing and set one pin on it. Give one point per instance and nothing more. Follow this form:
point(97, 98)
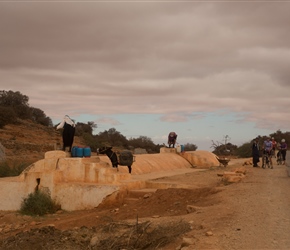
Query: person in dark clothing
point(256, 152)
point(283, 147)
point(172, 139)
point(68, 133)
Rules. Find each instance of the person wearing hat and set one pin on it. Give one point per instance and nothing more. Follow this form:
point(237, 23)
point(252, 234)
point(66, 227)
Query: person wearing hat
point(256, 152)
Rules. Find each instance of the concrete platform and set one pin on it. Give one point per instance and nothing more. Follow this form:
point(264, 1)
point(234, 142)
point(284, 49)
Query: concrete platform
point(83, 183)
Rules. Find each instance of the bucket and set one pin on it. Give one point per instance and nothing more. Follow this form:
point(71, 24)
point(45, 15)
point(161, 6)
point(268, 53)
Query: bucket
point(80, 152)
point(182, 148)
point(87, 152)
point(74, 151)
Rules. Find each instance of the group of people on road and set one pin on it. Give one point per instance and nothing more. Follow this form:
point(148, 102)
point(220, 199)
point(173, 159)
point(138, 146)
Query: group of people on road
point(269, 148)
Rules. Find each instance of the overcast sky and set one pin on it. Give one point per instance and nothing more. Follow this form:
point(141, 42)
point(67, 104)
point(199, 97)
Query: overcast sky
point(204, 69)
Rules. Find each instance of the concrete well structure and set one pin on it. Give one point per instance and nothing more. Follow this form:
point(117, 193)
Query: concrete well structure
point(83, 183)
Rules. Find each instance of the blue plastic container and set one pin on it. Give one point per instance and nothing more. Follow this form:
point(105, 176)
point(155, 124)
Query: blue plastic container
point(182, 148)
point(80, 152)
point(74, 151)
point(87, 152)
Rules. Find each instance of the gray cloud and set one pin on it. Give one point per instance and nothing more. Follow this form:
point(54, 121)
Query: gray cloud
point(147, 57)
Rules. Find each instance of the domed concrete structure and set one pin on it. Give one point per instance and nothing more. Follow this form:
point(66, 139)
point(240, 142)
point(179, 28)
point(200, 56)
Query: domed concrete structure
point(201, 159)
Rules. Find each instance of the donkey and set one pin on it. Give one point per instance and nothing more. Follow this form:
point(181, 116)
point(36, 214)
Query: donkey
point(114, 158)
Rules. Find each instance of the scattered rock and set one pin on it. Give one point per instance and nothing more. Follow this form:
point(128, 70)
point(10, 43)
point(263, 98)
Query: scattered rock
point(191, 209)
point(241, 170)
point(146, 196)
point(209, 233)
point(94, 240)
point(187, 241)
point(247, 163)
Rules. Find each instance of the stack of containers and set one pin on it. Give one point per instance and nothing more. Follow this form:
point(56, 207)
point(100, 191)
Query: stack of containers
point(80, 151)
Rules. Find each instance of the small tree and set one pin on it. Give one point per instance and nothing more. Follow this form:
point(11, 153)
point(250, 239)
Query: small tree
point(190, 147)
point(225, 148)
point(39, 116)
point(245, 150)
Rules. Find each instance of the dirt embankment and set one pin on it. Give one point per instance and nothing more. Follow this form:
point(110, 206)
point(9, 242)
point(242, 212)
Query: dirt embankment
point(27, 142)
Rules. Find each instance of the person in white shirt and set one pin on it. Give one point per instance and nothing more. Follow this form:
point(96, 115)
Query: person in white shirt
point(68, 133)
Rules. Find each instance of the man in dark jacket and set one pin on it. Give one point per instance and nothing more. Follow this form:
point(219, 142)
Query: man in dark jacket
point(256, 152)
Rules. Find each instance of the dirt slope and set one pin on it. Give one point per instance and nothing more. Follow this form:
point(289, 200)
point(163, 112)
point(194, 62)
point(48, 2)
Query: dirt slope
point(27, 141)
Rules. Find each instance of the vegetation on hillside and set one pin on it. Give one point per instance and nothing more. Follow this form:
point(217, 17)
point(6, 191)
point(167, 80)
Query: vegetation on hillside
point(15, 106)
point(245, 150)
point(11, 169)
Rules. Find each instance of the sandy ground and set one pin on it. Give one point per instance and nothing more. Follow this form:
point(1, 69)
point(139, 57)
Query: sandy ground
point(199, 211)
point(258, 215)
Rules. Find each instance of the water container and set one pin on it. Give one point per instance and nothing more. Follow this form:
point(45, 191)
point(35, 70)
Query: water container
point(182, 148)
point(178, 148)
point(87, 152)
point(74, 151)
point(80, 152)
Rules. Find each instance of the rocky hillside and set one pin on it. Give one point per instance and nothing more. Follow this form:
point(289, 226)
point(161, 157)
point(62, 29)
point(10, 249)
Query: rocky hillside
point(27, 142)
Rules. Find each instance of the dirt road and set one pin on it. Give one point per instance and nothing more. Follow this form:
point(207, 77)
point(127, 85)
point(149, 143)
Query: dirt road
point(260, 207)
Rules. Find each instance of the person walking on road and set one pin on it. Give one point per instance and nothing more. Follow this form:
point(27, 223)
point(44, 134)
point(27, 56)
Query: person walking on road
point(283, 147)
point(256, 152)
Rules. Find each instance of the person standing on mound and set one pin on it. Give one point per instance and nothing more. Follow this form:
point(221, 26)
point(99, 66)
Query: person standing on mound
point(68, 133)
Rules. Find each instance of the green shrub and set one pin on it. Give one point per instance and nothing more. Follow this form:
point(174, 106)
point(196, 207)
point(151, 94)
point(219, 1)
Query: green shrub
point(6, 170)
point(38, 203)
point(7, 116)
point(245, 150)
